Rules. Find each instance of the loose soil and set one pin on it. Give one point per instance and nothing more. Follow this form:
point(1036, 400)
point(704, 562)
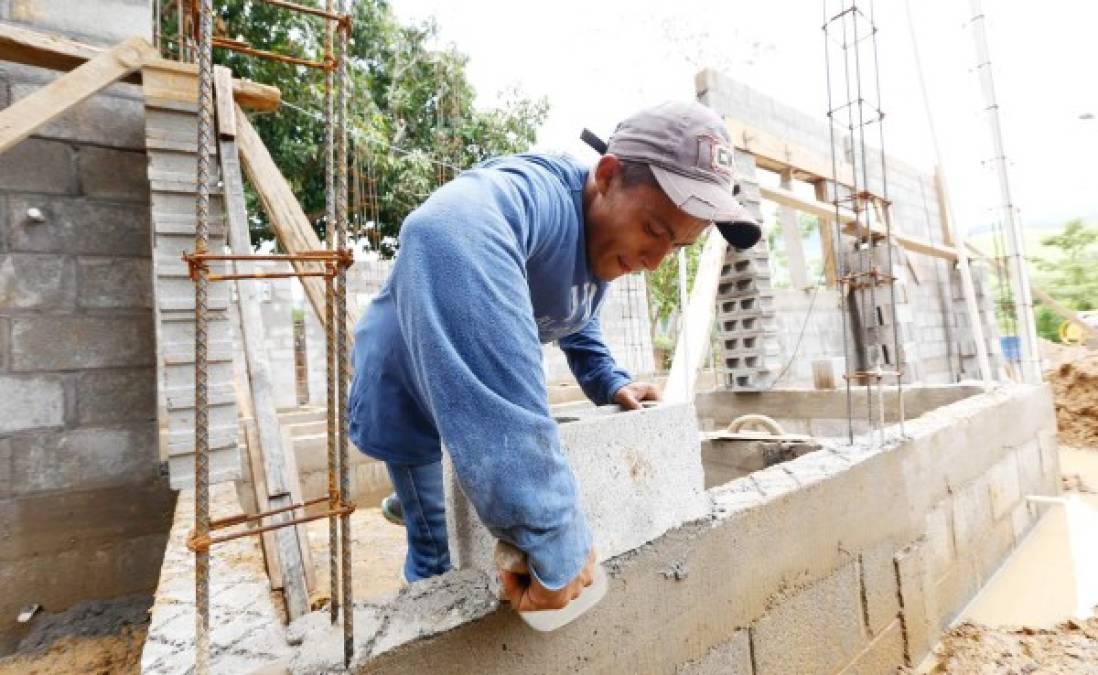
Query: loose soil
point(970, 649)
point(1073, 374)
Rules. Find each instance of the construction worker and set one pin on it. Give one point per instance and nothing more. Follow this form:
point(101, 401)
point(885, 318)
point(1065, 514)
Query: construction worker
point(513, 253)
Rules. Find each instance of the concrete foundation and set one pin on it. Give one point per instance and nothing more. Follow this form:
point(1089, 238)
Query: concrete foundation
point(851, 558)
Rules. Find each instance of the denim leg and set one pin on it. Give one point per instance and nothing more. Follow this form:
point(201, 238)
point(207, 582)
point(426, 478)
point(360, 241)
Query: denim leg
point(421, 496)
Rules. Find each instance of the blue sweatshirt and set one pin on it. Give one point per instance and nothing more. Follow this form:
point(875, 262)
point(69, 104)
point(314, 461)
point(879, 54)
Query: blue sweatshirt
point(490, 266)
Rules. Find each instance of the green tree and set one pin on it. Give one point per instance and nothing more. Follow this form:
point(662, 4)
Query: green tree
point(663, 282)
point(1071, 276)
point(411, 119)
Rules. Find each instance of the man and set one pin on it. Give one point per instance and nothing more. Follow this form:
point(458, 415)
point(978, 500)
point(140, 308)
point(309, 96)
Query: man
point(513, 253)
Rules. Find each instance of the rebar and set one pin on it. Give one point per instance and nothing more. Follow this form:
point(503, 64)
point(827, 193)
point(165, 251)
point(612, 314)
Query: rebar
point(343, 364)
point(329, 313)
point(201, 362)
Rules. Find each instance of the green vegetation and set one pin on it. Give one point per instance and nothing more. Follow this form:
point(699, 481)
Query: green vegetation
point(1071, 276)
point(412, 123)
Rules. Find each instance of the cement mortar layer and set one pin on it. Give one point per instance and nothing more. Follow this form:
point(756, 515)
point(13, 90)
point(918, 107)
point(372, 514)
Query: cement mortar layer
point(802, 565)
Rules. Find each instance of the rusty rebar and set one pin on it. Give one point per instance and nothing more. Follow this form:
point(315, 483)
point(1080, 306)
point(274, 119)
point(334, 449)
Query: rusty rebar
point(201, 361)
point(329, 314)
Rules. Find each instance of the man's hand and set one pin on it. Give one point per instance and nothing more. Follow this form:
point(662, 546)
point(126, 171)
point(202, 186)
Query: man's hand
point(631, 395)
point(526, 594)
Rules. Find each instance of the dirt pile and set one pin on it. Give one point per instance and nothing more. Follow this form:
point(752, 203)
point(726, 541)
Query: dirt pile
point(970, 649)
point(1073, 374)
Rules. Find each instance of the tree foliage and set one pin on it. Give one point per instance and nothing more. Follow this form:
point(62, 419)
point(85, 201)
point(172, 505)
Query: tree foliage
point(412, 122)
point(1071, 276)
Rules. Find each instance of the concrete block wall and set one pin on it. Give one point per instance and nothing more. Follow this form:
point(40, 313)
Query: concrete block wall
point(84, 510)
point(915, 211)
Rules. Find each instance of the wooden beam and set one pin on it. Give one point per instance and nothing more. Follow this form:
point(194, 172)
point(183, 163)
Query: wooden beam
point(791, 231)
point(943, 207)
point(827, 237)
point(223, 99)
point(46, 50)
point(277, 456)
point(697, 322)
point(289, 222)
point(21, 118)
point(850, 224)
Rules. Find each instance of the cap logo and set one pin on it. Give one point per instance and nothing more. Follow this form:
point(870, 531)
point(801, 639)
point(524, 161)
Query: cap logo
point(719, 155)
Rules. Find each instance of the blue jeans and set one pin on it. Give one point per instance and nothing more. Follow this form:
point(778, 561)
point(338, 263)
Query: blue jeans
point(419, 488)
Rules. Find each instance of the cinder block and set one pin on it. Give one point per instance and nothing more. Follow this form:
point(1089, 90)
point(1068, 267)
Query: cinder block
point(639, 474)
point(30, 281)
point(106, 283)
point(117, 175)
point(82, 459)
point(737, 495)
point(71, 342)
point(953, 591)
point(78, 226)
point(1004, 487)
point(940, 552)
point(5, 343)
point(816, 629)
point(111, 119)
point(993, 547)
point(971, 515)
point(36, 165)
point(110, 396)
point(885, 654)
point(31, 402)
point(108, 24)
point(1050, 460)
point(881, 595)
point(913, 582)
point(732, 657)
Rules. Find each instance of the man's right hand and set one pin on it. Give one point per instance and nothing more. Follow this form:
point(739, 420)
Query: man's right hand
point(526, 594)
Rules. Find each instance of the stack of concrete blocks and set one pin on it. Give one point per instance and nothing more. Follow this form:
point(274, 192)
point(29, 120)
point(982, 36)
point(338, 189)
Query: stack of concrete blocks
point(171, 141)
point(639, 474)
point(962, 329)
point(871, 309)
point(84, 511)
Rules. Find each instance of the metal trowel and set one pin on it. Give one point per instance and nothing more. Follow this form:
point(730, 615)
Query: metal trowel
point(511, 559)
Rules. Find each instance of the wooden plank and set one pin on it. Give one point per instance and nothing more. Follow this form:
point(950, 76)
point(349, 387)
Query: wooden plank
point(943, 207)
point(223, 99)
point(19, 44)
point(21, 118)
point(827, 238)
point(850, 223)
point(794, 249)
point(693, 342)
point(274, 453)
point(316, 595)
point(776, 154)
point(289, 222)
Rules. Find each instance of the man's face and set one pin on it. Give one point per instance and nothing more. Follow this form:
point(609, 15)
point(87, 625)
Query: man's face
point(630, 229)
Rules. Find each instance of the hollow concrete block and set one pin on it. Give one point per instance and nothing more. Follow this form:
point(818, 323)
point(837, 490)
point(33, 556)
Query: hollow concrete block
point(639, 474)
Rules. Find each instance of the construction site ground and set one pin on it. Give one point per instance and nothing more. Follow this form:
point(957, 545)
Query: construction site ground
point(1017, 624)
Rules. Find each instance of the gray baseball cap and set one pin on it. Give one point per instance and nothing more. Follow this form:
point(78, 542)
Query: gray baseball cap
point(690, 153)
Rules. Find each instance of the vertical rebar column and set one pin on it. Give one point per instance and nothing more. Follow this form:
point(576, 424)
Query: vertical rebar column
point(201, 418)
point(341, 329)
point(329, 320)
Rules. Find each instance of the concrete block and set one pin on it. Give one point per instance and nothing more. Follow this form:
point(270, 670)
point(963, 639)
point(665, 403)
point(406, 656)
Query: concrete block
point(940, 552)
point(110, 396)
point(971, 515)
point(639, 474)
point(114, 283)
point(29, 281)
point(880, 594)
point(1003, 483)
point(84, 458)
point(738, 495)
point(1050, 460)
point(108, 24)
point(774, 481)
point(732, 657)
point(112, 119)
point(117, 175)
point(31, 402)
point(816, 629)
point(40, 166)
point(5, 343)
point(1029, 467)
point(953, 591)
point(885, 654)
point(70, 342)
point(816, 466)
point(993, 547)
point(77, 226)
point(913, 583)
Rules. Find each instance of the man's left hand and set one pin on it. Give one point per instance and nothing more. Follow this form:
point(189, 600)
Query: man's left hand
point(631, 395)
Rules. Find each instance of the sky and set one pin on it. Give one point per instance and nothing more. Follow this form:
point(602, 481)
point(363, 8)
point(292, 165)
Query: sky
point(597, 62)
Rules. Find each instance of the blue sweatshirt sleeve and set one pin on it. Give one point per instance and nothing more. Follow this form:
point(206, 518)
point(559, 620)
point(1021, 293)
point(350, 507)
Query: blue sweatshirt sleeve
point(465, 314)
point(595, 369)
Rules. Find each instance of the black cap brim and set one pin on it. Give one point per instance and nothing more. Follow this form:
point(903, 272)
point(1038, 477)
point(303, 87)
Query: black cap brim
point(742, 234)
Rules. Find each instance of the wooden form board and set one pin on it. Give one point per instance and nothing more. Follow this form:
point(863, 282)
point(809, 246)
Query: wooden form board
point(776, 154)
point(19, 44)
point(21, 118)
point(278, 468)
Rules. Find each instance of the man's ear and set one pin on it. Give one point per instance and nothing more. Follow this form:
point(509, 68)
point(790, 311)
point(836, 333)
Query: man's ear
point(605, 170)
